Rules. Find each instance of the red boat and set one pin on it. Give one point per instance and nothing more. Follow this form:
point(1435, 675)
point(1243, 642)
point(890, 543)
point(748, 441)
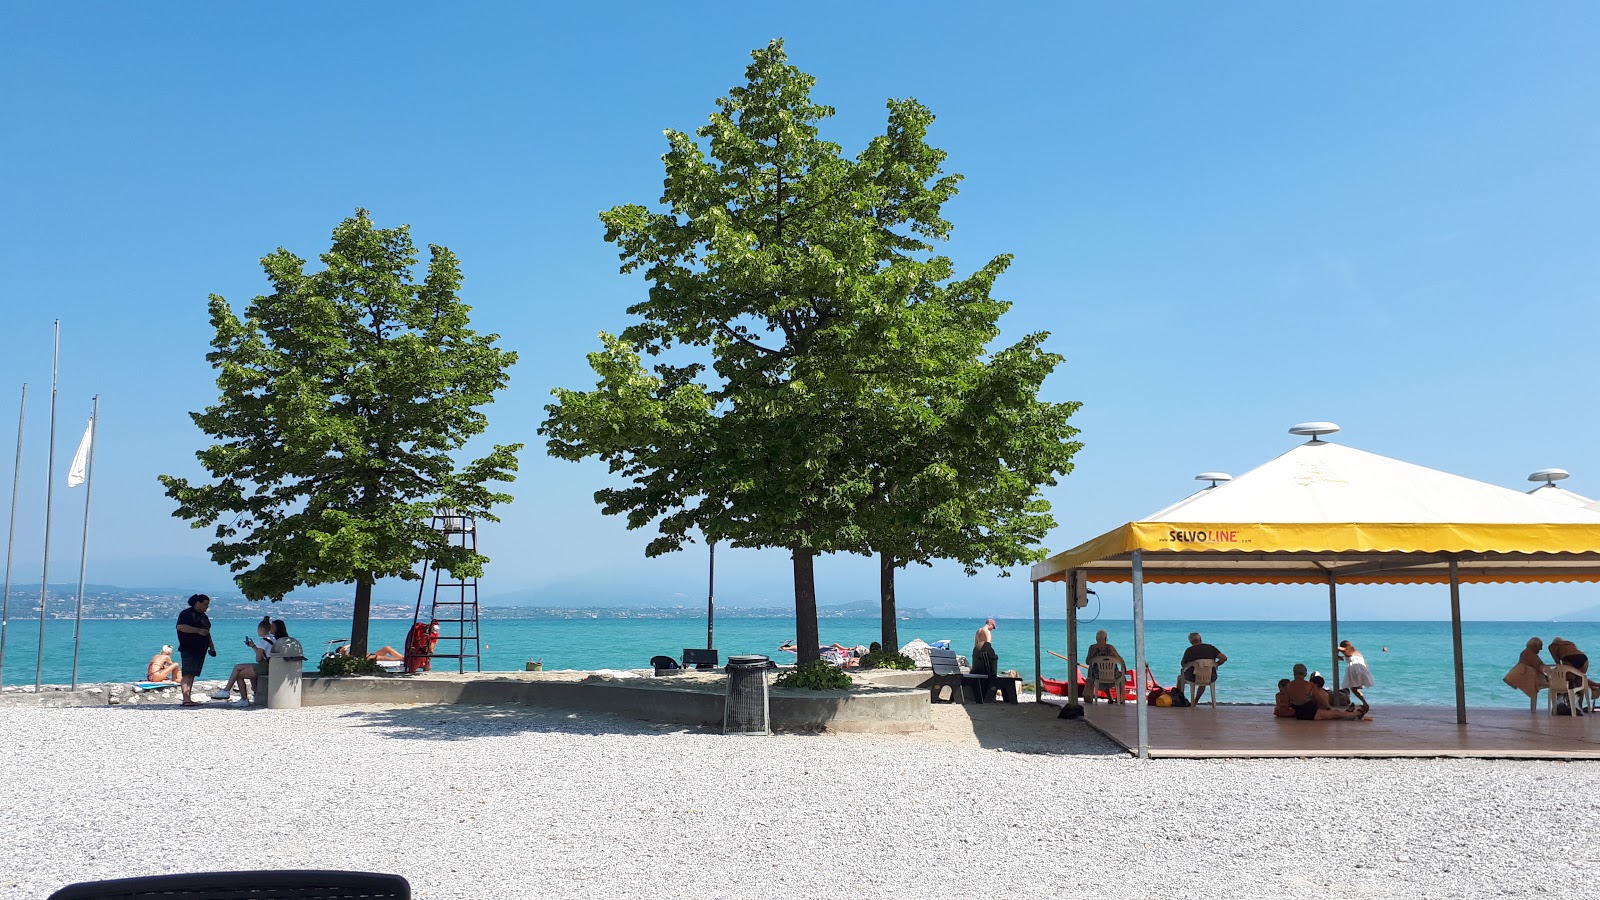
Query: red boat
point(1130, 686)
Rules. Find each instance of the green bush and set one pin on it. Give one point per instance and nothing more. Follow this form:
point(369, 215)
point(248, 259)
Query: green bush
point(815, 676)
point(890, 659)
point(348, 665)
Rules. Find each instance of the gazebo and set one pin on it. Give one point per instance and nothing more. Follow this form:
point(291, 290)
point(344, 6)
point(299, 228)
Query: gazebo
point(1324, 513)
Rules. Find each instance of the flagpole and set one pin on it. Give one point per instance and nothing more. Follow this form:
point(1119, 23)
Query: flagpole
point(11, 536)
point(49, 497)
point(83, 553)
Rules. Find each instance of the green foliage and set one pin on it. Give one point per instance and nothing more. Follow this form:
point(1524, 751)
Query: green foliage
point(850, 403)
point(343, 395)
point(340, 664)
point(815, 676)
point(886, 659)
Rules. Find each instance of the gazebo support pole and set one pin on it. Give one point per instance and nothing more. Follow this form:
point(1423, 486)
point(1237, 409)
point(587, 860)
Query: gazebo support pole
point(1138, 655)
point(1073, 694)
point(1455, 639)
point(1038, 681)
point(1333, 624)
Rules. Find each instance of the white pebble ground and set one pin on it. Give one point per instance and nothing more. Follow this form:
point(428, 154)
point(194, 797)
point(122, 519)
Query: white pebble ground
point(486, 802)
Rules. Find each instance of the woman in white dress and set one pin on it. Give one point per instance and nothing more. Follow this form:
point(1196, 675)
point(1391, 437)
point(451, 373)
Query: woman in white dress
point(1356, 673)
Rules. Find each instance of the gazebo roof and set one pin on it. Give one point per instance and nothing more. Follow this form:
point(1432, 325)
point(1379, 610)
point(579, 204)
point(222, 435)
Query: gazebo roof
point(1325, 510)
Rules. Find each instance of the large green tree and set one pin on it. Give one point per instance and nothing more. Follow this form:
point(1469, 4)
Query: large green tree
point(344, 394)
point(803, 278)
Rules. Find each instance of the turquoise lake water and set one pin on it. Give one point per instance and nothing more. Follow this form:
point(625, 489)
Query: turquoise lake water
point(1415, 670)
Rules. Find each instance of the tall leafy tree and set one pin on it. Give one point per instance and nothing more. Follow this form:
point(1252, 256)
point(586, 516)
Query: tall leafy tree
point(344, 395)
point(805, 277)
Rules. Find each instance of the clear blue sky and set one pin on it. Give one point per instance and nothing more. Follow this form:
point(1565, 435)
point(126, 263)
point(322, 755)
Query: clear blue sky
point(1231, 217)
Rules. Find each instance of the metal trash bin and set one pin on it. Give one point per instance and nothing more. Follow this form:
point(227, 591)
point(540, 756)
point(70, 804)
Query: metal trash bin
point(747, 709)
point(283, 674)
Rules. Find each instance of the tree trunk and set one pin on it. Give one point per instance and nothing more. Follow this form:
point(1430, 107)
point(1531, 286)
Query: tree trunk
point(358, 621)
point(891, 619)
point(805, 606)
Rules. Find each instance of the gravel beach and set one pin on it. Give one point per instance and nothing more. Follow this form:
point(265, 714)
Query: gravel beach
point(525, 802)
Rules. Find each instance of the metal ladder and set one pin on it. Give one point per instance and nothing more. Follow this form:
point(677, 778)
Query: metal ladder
point(455, 603)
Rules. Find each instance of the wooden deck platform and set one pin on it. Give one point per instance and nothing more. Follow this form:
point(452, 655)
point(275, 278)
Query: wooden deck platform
point(1246, 732)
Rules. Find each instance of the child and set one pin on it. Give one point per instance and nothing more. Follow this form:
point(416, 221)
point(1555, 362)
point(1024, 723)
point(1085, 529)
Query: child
point(1356, 674)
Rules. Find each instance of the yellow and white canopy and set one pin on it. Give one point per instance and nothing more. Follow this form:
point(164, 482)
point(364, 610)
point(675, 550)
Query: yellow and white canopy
point(1325, 511)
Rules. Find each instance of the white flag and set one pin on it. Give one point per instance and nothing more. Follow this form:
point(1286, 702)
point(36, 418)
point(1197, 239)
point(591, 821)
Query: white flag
point(80, 461)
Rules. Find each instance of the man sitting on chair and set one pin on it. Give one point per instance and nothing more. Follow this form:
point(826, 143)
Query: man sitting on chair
point(1199, 650)
point(1102, 648)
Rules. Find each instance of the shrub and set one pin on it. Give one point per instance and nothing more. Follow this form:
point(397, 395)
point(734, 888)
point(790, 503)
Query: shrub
point(887, 659)
point(348, 665)
point(815, 676)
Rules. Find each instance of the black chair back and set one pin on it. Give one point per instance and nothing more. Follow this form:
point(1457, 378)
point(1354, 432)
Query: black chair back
point(279, 884)
point(700, 659)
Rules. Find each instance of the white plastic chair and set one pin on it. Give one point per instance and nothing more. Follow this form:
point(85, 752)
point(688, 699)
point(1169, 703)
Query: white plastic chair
point(1205, 675)
point(1578, 696)
point(1105, 672)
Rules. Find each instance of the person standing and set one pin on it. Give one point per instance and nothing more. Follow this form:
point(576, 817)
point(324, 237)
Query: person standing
point(1356, 673)
point(194, 643)
point(1199, 650)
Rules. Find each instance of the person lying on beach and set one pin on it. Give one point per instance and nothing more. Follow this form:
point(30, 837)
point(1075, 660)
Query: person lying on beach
point(838, 654)
point(161, 667)
point(1310, 702)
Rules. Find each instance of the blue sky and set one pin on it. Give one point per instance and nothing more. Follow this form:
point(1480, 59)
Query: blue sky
point(1231, 218)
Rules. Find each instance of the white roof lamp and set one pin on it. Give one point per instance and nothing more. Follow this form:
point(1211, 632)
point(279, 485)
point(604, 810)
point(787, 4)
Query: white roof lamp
point(1315, 429)
point(1549, 491)
point(1215, 478)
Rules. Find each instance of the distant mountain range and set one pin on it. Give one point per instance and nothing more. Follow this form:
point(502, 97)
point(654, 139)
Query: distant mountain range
point(104, 601)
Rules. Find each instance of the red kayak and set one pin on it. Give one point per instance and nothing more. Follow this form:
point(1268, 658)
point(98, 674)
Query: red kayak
point(1130, 687)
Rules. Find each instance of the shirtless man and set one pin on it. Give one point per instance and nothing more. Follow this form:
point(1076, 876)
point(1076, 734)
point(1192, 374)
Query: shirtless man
point(985, 635)
point(161, 667)
point(1309, 702)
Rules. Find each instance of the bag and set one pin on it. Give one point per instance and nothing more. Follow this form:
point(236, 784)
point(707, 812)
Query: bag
point(1338, 699)
point(1154, 695)
point(1178, 699)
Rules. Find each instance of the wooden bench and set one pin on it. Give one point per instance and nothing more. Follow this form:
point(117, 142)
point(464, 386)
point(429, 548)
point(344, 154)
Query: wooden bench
point(947, 673)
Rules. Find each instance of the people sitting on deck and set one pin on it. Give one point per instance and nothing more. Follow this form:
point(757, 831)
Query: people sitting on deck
point(1308, 701)
point(1528, 674)
point(1199, 650)
point(1280, 701)
point(161, 667)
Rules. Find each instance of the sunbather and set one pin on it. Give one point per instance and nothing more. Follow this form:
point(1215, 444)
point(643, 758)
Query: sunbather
point(161, 667)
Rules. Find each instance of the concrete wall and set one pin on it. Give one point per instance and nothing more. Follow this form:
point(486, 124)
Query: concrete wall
point(873, 709)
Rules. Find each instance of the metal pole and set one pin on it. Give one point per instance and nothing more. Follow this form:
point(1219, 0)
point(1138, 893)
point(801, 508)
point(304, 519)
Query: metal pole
point(1038, 665)
point(1333, 624)
point(1073, 693)
point(49, 498)
point(1455, 639)
point(83, 553)
point(1138, 654)
point(711, 600)
point(16, 482)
